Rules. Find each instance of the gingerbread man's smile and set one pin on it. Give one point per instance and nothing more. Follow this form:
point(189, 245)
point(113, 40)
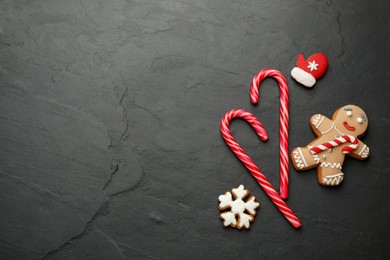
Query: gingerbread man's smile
point(348, 127)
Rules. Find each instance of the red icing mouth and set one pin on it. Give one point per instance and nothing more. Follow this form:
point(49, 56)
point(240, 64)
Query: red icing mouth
point(348, 127)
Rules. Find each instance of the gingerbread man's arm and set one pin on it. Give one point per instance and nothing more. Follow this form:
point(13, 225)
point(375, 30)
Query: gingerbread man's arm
point(321, 124)
point(361, 152)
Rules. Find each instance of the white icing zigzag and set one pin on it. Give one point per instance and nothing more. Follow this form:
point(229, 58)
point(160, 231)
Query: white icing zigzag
point(331, 165)
point(315, 156)
point(330, 129)
point(317, 120)
point(299, 158)
point(365, 152)
point(333, 179)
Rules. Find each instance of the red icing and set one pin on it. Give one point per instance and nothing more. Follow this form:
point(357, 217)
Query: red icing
point(348, 127)
point(318, 58)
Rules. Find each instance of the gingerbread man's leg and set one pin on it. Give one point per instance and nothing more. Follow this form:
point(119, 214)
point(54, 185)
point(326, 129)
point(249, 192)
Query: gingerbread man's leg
point(302, 159)
point(330, 174)
point(330, 168)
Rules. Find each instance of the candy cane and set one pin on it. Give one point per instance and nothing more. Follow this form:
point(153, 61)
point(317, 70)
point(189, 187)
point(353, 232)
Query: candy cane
point(250, 165)
point(283, 128)
point(336, 142)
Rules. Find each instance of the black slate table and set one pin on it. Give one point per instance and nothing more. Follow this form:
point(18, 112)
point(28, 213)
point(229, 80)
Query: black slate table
point(110, 142)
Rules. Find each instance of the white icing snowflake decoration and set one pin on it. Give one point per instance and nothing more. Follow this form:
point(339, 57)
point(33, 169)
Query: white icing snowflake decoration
point(313, 65)
point(241, 213)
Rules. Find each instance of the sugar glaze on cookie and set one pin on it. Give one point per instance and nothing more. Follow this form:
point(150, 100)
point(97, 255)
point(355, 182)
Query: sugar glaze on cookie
point(241, 213)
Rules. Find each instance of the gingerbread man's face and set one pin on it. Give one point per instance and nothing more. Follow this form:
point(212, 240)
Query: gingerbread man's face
point(351, 120)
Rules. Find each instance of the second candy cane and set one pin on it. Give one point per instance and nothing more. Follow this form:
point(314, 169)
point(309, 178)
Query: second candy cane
point(283, 129)
point(250, 165)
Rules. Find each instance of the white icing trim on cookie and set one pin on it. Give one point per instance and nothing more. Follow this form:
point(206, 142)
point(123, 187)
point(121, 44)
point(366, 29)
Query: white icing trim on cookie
point(225, 200)
point(237, 206)
point(316, 158)
point(364, 147)
point(365, 152)
point(330, 129)
point(229, 219)
point(331, 165)
point(333, 179)
point(251, 205)
point(244, 220)
point(300, 161)
point(240, 192)
point(317, 120)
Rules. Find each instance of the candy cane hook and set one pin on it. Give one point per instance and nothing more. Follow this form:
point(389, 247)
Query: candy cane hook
point(283, 121)
point(250, 165)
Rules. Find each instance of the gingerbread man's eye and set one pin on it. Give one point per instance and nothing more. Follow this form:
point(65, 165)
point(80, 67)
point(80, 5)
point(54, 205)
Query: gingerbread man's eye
point(359, 120)
point(349, 113)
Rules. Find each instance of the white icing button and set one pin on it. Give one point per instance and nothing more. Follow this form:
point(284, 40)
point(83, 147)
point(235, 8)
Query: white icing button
point(349, 113)
point(324, 156)
point(330, 150)
point(359, 120)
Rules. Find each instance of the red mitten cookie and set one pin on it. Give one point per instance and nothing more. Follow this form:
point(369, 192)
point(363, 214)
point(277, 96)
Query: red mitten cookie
point(308, 71)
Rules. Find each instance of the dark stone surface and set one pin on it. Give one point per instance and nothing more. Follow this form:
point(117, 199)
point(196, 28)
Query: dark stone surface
point(110, 143)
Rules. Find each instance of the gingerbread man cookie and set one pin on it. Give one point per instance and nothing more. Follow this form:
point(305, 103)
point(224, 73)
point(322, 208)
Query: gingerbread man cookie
point(336, 138)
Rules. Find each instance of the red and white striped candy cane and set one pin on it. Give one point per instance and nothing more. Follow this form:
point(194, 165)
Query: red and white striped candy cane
point(336, 142)
point(250, 165)
point(283, 121)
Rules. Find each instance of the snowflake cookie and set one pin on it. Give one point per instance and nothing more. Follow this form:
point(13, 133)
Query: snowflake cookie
point(241, 213)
